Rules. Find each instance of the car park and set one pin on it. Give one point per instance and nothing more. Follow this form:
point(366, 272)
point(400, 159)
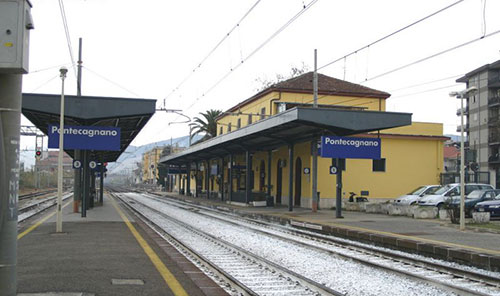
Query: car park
point(491, 206)
point(413, 196)
point(450, 192)
point(473, 198)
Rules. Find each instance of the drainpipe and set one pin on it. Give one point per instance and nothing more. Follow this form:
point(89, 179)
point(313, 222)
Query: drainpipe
point(271, 103)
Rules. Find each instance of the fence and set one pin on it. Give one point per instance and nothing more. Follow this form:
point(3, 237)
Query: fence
point(476, 177)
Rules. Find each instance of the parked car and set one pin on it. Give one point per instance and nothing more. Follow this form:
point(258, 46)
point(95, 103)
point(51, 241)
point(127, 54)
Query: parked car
point(492, 206)
point(473, 198)
point(414, 195)
point(449, 192)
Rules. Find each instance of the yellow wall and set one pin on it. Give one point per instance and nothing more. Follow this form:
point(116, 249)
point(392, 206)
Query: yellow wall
point(414, 154)
point(269, 102)
point(149, 158)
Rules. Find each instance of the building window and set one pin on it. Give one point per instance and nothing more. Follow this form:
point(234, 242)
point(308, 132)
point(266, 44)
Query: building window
point(341, 163)
point(263, 113)
point(221, 130)
point(229, 127)
point(379, 165)
point(249, 118)
point(238, 125)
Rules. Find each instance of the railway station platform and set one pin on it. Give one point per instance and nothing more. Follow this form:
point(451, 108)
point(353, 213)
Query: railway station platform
point(429, 237)
point(106, 253)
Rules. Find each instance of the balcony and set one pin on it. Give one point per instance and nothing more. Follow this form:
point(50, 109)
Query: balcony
point(494, 139)
point(466, 111)
point(494, 159)
point(494, 120)
point(494, 101)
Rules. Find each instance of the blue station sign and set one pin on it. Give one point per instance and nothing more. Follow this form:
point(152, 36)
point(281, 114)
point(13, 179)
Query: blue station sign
point(347, 147)
point(86, 137)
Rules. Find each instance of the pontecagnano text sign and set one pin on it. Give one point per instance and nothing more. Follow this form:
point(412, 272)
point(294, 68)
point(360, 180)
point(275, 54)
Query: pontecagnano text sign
point(86, 137)
point(347, 147)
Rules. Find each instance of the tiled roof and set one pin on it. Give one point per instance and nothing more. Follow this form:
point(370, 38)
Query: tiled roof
point(451, 152)
point(326, 86)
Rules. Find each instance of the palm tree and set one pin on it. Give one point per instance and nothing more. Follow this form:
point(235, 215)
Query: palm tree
point(207, 124)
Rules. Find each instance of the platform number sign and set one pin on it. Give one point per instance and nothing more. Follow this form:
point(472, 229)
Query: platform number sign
point(77, 164)
point(92, 164)
point(333, 170)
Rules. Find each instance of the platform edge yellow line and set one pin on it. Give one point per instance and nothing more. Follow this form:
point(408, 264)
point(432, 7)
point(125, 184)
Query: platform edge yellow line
point(38, 223)
point(169, 278)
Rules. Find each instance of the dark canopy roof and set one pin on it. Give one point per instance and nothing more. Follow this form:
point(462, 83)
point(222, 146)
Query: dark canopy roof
point(130, 115)
point(292, 126)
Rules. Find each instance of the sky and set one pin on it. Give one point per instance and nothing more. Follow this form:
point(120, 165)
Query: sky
point(164, 50)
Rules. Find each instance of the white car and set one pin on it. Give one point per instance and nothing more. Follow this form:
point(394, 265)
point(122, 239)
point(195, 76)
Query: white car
point(450, 192)
point(414, 195)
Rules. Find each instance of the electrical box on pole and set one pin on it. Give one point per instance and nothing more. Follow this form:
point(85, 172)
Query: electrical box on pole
point(15, 23)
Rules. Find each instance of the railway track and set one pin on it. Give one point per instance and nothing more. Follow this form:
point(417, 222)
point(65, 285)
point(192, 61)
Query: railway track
point(247, 273)
point(29, 209)
point(36, 194)
point(455, 279)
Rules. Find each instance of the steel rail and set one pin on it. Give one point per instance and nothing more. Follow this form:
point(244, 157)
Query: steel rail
point(426, 268)
point(260, 262)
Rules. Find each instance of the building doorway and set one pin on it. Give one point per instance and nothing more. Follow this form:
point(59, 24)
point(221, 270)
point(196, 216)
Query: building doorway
point(298, 181)
point(279, 176)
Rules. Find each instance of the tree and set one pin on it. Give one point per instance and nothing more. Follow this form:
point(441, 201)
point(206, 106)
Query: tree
point(206, 124)
point(264, 83)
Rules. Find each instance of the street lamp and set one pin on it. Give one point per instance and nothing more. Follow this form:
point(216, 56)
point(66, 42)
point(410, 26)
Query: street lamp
point(63, 72)
point(462, 95)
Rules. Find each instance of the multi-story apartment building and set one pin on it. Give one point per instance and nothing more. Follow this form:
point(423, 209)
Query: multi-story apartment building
point(150, 165)
point(482, 125)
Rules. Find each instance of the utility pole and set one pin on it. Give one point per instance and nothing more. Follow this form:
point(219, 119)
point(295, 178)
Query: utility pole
point(14, 33)
point(78, 155)
point(314, 144)
point(60, 170)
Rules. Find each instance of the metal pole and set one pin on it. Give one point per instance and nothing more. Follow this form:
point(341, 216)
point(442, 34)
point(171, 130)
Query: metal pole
point(60, 171)
point(314, 172)
point(462, 162)
point(230, 177)
point(290, 177)
point(92, 188)
point(10, 118)
point(188, 179)
point(269, 160)
point(77, 186)
point(338, 207)
point(314, 150)
point(78, 173)
point(207, 179)
point(315, 80)
point(221, 183)
point(248, 188)
point(79, 77)
point(101, 185)
point(85, 189)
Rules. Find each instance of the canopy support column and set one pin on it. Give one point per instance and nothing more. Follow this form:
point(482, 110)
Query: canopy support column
point(290, 177)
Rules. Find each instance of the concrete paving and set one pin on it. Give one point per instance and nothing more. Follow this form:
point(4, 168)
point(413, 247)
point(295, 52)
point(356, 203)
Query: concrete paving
point(96, 255)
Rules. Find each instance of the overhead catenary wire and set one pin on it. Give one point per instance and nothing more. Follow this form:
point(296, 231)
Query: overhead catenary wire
point(271, 37)
point(112, 82)
point(391, 34)
point(68, 36)
point(211, 51)
point(431, 56)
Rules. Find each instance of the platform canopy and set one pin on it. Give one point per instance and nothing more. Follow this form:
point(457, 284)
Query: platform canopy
point(295, 125)
point(130, 115)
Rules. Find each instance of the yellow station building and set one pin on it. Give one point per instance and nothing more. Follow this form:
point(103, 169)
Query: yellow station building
point(411, 154)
